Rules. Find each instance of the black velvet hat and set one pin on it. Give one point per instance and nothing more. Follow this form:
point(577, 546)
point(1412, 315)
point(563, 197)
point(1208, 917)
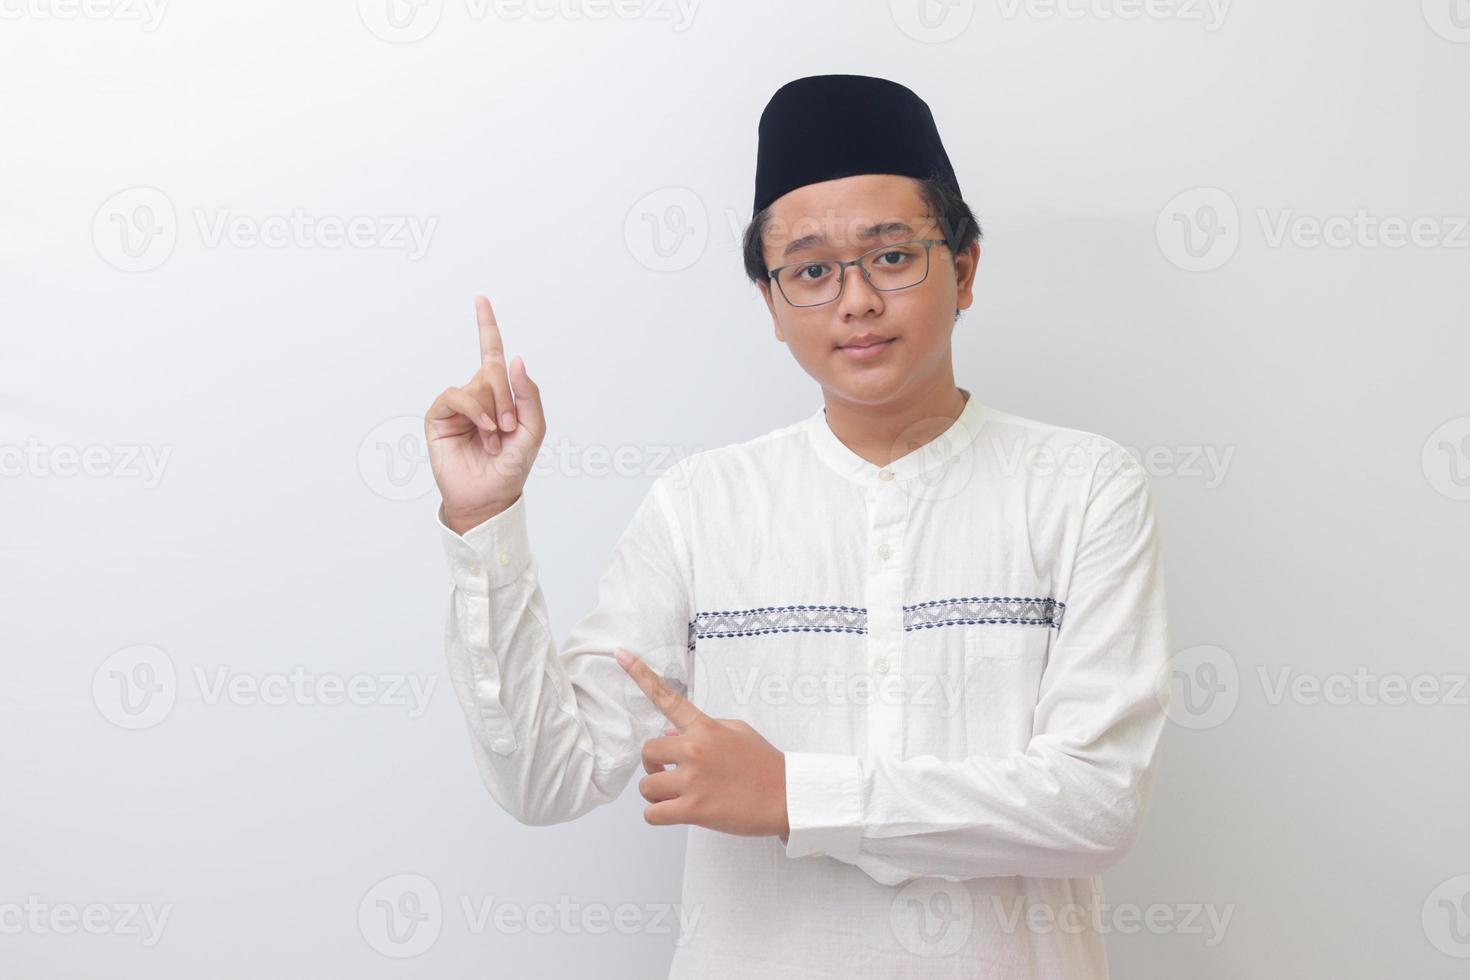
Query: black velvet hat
point(823, 127)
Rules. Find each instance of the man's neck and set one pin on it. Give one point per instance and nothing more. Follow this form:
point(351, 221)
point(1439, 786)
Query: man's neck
point(885, 432)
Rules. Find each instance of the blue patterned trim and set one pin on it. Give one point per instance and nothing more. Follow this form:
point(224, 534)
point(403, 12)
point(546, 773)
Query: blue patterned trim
point(1018, 610)
point(778, 619)
point(961, 611)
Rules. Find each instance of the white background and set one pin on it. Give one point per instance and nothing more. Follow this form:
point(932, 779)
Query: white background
point(541, 144)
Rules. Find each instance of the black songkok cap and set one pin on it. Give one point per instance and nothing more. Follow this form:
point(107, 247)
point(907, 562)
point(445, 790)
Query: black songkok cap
point(828, 126)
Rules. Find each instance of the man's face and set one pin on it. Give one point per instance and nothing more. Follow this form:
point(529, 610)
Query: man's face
point(842, 219)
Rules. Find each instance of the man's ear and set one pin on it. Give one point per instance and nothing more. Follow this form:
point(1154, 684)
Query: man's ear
point(965, 266)
point(765, 288)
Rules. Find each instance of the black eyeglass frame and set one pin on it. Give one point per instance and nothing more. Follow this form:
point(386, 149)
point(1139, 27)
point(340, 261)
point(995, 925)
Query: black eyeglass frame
point(928, 244)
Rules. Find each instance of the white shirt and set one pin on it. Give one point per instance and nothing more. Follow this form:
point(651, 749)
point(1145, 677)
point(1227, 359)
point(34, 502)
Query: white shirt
point(958, 653)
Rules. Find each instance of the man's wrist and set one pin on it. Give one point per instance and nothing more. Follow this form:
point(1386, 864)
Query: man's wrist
point(461, 522)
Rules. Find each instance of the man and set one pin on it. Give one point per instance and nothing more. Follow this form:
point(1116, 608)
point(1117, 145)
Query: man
point(917, 636)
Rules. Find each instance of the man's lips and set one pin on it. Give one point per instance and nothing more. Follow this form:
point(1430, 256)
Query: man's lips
point(867, 351)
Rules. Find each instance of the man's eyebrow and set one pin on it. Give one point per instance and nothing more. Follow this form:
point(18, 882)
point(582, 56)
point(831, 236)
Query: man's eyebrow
point(863, 234)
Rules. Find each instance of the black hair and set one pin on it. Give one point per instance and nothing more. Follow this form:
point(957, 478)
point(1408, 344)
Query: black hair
point(957, 223)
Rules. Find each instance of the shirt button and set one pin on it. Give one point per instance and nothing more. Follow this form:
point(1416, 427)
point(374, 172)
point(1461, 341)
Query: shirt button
point(503, 558)
point(884, 551)
point(473, 568)
point(881, 665)
point(885, 475)
point(482, 664)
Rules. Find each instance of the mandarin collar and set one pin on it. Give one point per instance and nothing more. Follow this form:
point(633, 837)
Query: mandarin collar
point(954, 441)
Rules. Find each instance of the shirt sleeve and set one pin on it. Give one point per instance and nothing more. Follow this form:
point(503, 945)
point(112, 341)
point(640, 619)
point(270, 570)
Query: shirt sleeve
point(555, 733)
point(1072, 802)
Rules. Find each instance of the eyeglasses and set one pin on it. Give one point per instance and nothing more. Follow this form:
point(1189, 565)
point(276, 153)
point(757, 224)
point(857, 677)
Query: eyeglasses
point(818, 281)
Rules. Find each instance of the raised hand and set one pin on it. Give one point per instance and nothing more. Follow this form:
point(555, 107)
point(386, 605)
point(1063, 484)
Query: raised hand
point(482, 441)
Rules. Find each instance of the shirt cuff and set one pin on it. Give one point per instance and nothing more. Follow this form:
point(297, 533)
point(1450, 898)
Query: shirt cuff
point(491, 554)
point(824, 805)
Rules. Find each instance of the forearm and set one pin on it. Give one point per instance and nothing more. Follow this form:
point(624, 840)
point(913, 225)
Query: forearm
point(537, 749)
point(1049, 812)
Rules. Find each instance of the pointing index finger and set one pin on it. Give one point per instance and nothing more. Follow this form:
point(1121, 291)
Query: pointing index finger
point(490, 345)
point(673, 705)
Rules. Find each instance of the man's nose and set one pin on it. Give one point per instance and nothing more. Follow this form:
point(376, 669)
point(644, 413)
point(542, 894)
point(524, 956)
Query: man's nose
point(858, 295)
